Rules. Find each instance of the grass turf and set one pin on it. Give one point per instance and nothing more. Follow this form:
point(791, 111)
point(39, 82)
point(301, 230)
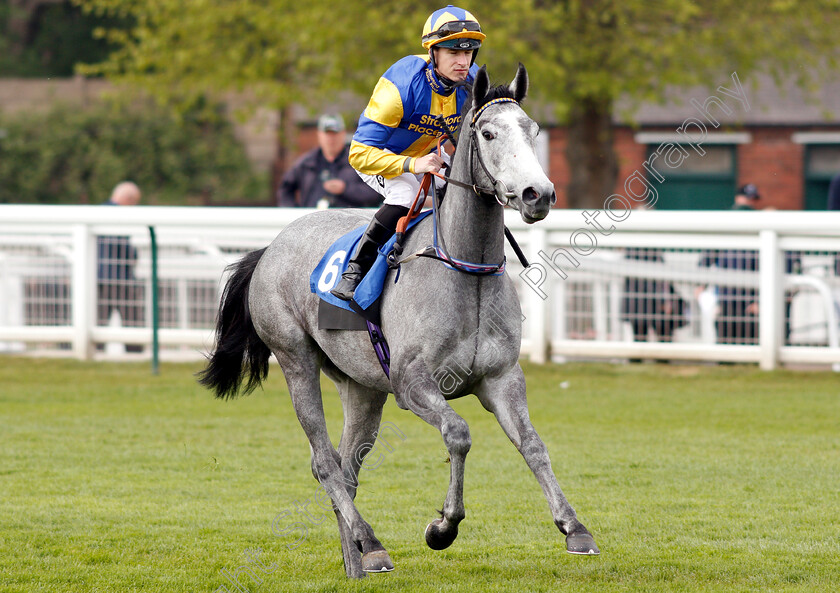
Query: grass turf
point(691, 479)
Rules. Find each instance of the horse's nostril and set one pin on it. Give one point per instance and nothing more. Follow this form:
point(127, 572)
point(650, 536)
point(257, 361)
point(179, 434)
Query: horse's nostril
point(553, 198)
point(530, 195)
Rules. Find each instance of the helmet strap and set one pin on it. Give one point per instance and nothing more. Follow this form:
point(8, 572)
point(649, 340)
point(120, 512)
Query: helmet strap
point(446, 83)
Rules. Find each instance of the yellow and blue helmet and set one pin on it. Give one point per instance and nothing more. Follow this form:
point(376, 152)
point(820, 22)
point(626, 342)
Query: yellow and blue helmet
point(452, 27)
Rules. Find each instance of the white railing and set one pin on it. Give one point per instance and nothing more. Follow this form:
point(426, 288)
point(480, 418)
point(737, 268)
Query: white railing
point(572, 293)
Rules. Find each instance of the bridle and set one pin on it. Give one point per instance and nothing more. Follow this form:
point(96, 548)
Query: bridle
point(498, 190)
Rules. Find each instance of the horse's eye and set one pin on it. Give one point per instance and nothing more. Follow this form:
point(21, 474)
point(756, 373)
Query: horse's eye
point(487, 135)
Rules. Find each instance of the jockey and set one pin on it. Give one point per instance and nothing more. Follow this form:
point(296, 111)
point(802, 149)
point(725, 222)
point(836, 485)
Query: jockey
point(398, 130)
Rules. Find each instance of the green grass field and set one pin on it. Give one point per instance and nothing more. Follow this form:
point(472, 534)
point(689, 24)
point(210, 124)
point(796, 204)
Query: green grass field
point(691, 479)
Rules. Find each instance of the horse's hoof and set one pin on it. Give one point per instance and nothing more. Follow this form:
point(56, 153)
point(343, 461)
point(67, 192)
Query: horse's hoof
point(377, 561)
point(581, 543)
point(437, 538)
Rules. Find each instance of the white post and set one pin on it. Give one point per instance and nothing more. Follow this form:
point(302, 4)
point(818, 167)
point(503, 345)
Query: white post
point(83, 290)
point(11, 302)
point(615, 295)
point(537, 303)
point(771, 300)
point(599, 309)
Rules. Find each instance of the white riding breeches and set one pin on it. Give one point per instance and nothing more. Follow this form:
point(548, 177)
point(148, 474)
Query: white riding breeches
point(400, 190)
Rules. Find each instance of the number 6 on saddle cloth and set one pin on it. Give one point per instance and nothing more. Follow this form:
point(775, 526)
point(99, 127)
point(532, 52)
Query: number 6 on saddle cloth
point(366, 298)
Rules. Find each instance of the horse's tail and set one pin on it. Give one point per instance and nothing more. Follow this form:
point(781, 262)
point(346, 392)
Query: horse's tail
point(239, 350)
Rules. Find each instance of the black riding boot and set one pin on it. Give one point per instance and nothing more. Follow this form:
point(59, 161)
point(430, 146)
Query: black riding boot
point(381, 228)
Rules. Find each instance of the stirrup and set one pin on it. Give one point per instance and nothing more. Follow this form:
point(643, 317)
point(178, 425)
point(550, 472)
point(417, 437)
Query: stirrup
point(374, 236)
point(348, 284)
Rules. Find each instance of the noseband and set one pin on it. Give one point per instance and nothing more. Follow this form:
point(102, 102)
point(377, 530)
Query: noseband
point(500, 190)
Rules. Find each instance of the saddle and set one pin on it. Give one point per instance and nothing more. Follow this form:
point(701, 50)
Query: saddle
point(334, 313)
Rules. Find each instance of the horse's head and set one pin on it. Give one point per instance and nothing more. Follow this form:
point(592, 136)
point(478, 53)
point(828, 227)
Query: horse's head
point(505, 141)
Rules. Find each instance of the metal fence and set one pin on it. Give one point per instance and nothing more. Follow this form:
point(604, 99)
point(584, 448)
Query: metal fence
point(705, 286)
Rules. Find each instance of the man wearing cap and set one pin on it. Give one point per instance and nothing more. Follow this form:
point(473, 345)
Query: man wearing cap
point(737, 321)
point(398, 131)
point(746, 197)
point(323, 176)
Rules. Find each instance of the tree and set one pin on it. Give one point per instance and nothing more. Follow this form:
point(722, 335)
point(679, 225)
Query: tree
point(46, 38)
point(275, 53)
point(582, 55)
point(586, 54)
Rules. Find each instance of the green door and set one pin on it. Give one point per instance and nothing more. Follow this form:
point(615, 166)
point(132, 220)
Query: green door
point(700, 183)
point(822, 162)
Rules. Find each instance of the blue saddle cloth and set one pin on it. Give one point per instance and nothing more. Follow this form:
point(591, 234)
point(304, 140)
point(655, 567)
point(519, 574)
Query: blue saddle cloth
point(334, 262)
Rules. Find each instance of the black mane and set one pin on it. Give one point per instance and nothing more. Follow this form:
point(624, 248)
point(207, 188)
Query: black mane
point(502, 91)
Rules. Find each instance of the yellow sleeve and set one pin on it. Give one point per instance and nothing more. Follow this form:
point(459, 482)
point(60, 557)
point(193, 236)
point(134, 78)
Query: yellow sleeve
point(381, 117)
point(375, 161)
point(385, 106)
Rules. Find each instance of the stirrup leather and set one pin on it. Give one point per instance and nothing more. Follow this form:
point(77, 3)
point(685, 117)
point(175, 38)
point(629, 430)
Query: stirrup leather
point(375, 236)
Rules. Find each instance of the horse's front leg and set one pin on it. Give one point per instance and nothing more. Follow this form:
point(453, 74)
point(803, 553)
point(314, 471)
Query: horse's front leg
point(505, 397)
point(422, 396)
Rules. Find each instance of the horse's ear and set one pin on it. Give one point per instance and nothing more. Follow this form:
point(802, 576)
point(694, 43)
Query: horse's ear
point(480, 86)
point(519, 86)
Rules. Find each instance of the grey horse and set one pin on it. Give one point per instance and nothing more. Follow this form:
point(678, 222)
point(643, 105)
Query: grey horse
point(450, 333)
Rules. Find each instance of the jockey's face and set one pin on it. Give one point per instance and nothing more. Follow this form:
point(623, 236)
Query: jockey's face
point(453, 64)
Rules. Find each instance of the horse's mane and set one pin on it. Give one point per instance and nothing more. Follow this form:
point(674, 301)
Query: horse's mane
point(495, 92)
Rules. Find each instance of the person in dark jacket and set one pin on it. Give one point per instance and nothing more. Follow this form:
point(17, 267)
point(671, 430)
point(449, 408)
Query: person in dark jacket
point(737, 321)
point(651, 304)
point(323, 177)
point(834, 204)
point(834, 193)
point(118, 288)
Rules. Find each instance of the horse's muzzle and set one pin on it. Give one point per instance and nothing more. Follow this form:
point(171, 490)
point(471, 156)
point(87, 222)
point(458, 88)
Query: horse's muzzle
point(535, 205)
point(532, 197)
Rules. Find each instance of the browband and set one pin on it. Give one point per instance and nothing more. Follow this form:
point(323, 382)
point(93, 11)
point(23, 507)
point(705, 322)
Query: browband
point(488, 104)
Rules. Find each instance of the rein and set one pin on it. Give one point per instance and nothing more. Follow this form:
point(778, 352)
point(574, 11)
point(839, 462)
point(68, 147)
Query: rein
point(438, 252)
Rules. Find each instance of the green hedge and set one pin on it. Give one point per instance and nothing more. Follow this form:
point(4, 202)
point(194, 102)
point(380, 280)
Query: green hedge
point(70, 155)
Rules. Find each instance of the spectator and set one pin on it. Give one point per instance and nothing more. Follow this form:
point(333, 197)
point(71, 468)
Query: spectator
point(834, 193)
point(323, 176)
point(737, 313)
point(651, 304)
point(834, 204)
point(118, 289)
point(746, 197)
point(738, 307)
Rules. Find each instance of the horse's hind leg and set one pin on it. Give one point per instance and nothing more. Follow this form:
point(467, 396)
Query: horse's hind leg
point(362, 415)
point(505, 397)
point(303, 378)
